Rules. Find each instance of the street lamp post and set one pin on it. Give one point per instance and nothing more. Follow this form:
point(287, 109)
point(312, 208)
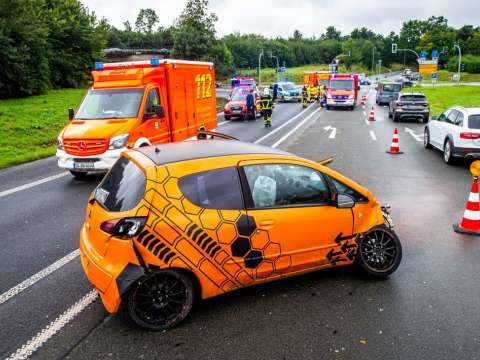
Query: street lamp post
point(373, 60)
point(278, 66)
point(259, 65)
point(459, 61)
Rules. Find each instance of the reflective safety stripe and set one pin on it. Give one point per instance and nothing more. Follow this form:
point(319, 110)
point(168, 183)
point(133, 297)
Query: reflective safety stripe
point(474, 197)
point(472, 215)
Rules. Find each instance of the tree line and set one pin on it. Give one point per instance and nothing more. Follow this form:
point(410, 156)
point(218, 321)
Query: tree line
point(53, 43)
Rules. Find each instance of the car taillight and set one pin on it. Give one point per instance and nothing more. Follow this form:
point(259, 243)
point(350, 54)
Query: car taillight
point(466, 135)
point(124, 228)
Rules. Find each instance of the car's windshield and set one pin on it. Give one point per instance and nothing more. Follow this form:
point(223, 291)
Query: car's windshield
point(288, 86)
point(110, 104)
point(474, 121)
point(392, 87)
point(341, 84)
point(412, 98)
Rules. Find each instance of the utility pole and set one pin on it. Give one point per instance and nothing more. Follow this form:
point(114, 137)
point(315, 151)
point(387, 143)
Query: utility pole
point(379, 66)
point(259, 65)
point(459, 60)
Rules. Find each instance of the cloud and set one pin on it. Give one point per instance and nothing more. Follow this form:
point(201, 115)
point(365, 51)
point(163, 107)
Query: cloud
point(281, 17)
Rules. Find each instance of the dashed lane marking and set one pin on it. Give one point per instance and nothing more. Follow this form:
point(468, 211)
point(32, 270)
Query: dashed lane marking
point(366, 121)
point(282, 126)
point(418, 137)
point(295, 128)
point(32, 345)
point(372, 135)
point(37, 277)
point(32, 184)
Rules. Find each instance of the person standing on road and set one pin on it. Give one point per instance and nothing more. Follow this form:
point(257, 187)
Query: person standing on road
point(275, 92)
point(304, 96)
point(250, 105)
point(267, 108)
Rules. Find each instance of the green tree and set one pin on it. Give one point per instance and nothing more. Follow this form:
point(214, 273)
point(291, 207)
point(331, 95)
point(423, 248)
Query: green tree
point(146, 20)
point(194, 34)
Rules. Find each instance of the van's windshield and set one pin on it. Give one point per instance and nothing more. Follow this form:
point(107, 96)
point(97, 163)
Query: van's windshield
point(110, 104)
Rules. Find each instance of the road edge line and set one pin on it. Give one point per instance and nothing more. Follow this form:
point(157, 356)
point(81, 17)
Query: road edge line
point(32, 184)
point(284, 137)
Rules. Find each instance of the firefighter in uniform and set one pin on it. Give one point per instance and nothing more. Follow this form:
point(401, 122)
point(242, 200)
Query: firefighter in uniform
point(312, 93)
point(304, 96)
point(267, 107)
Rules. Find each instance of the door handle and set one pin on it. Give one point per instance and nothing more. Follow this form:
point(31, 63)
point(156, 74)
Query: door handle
point(266, 224)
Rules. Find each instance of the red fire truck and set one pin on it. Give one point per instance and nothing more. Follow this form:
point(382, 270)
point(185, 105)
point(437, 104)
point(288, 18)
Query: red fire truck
point(342, 91)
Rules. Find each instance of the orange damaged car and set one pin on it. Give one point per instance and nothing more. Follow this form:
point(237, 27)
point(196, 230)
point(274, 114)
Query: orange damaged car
point(175, 223)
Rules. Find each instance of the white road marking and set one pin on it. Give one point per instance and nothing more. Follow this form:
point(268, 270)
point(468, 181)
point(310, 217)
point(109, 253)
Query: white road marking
point(222, 123)
point(372, 135)
point(280, 127)
point(367, 122)
point(415, 136)
point(333, 131)
point(38, 276)
point(32, 184)
point(364, 113)
point(295, 128)
point(32, 345)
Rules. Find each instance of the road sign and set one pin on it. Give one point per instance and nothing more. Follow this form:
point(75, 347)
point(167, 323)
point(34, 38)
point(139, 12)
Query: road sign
point(434, 54)
point(283, 69)
point(423, 54)
point(427, 67)
point(434, 76)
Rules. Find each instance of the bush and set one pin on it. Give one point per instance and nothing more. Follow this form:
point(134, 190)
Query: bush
point(472, 64)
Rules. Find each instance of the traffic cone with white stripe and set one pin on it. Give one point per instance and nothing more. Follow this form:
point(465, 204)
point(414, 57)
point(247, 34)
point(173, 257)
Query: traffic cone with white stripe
point(371, 116)
point(395, 147)
point(470, 223)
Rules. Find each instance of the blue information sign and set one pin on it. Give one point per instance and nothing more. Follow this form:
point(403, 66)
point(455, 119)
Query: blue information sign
point(435, 54)
point(423, 54)
point(434, 76)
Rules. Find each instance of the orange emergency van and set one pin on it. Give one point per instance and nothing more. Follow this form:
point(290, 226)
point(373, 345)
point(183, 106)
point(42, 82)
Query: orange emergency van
point(137, 104)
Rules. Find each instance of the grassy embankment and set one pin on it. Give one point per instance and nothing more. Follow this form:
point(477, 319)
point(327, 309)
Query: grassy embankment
point(441, 98)
point(29, 127)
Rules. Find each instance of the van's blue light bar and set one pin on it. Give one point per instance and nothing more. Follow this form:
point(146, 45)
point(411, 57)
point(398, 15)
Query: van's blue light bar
point(154, 62)
point(98, 66)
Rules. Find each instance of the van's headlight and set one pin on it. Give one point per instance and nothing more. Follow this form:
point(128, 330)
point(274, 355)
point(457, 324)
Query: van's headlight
point(118, 142)
point(350, 96)
point(59, 144)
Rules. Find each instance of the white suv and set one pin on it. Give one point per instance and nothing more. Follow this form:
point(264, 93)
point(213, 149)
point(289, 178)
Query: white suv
point(456, 132)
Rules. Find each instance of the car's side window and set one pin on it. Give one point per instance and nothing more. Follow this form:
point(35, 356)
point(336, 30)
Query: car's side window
point(452, 116)
point(443, 117)
point(459, 119)
point(214, 189)
point(341, 188)
point(283, 185)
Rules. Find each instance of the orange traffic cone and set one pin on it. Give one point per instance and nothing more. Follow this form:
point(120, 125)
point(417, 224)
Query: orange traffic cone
point(470, 223)
point(371, 116)
point(395, 147)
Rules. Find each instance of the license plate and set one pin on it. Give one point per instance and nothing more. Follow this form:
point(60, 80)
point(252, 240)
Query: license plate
point(237, 111)
point(84, 165)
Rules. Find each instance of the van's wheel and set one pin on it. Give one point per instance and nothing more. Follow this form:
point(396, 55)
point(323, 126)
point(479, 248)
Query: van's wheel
point(379, 252)
point(160, 300)
point(81, 175)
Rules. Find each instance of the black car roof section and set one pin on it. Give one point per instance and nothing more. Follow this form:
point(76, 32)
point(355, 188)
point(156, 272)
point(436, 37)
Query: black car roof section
point(199, 149)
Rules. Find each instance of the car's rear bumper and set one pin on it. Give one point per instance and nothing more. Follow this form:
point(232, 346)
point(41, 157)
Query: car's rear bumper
point(469, 153)
point(412, 113)
point(107, 273)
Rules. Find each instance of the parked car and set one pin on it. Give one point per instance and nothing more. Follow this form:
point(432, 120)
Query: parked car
point(172, 224)
point(409, 105)
point(456, 132)
point(288, 91)
point(237, 104)
point(387, 91)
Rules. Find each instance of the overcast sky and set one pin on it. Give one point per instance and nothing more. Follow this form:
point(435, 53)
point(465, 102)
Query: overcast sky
point(282, 17)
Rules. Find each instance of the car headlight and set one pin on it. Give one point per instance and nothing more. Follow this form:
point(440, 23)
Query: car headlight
point(350, 96)
point(59, 144)
point(118, 142)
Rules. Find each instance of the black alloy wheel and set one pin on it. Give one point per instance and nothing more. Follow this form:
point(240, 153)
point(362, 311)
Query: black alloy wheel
point(380, 252)
point(161, 300)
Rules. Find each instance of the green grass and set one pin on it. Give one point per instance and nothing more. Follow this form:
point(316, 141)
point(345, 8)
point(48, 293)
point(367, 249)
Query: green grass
point(29, 127)
point(441, 98)
point(445, 75)
point(221, 103)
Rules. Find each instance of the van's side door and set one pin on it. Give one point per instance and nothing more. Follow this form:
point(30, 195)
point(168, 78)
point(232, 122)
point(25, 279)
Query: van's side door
point(156, 127)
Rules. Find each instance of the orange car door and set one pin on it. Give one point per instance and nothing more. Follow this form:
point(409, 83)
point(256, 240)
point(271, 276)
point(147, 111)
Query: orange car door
point(156, 127)
point(291, 203)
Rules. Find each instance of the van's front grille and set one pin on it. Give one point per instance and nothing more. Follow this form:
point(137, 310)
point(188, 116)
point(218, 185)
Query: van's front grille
point(85, 147)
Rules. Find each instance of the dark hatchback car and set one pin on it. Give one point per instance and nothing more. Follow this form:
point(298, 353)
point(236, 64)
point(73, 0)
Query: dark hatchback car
point(409, 105)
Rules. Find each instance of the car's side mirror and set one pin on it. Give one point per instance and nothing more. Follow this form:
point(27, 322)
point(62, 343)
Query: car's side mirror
point(344, 201)
point(71, 114)
point(158, 109)
point(434, 117)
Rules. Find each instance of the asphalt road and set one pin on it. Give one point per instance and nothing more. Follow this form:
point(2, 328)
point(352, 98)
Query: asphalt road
point(428, 309)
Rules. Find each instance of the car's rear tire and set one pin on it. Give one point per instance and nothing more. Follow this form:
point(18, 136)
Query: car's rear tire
point(160, 300)
point(426, 139)
point(328, 107)
point(448, 152)
point(81, 175)
point(379, 252)
point(227, 117)
point(394, 117)
point(425, 119)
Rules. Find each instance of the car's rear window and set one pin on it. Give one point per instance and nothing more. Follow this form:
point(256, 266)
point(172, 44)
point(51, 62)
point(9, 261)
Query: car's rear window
point(392, 87)
point(214, 189)
point(413, 98)
point(474, 121)
point(122, 188)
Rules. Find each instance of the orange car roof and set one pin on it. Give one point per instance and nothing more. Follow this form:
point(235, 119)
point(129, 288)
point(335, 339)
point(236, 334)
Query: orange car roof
point(191, 150)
